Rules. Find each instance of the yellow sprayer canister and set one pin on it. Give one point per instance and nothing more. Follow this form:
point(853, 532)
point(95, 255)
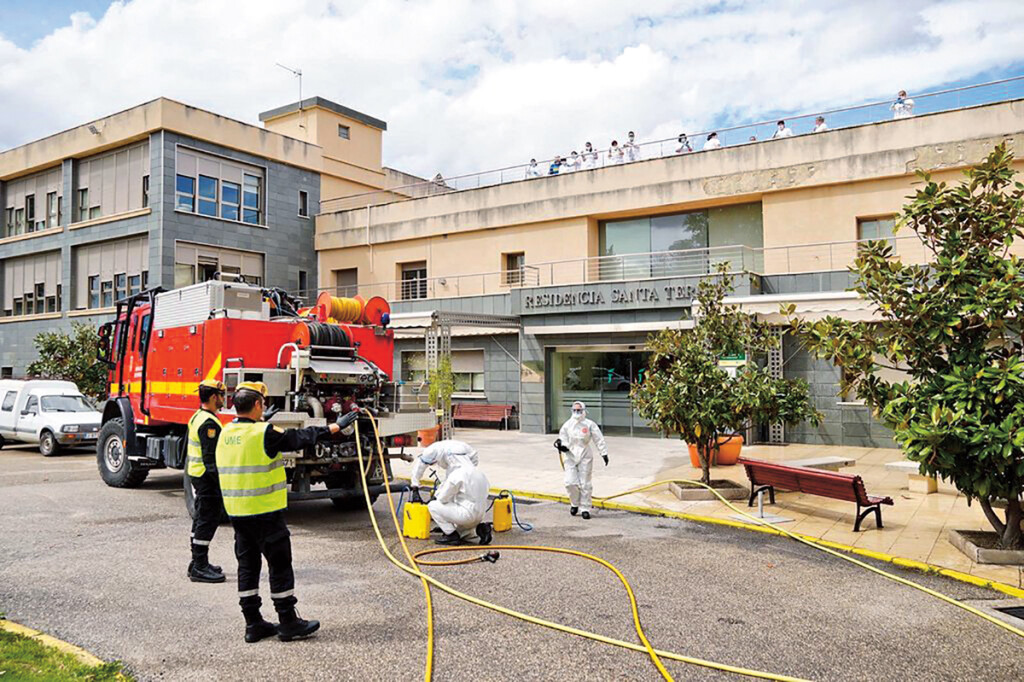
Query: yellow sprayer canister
point(416, 521)
point(502, 514)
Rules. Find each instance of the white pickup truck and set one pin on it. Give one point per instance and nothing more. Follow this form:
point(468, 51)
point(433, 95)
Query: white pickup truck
point(50, 413)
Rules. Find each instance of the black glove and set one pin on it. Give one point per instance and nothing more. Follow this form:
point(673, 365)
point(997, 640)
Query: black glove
point(269, 413)
point(559, 446)
point(605, 458)
point(346, 420)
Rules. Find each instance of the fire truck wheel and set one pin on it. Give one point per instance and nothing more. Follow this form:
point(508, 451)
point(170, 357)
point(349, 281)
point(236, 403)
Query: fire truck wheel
point(48, 444)
point(116, 469)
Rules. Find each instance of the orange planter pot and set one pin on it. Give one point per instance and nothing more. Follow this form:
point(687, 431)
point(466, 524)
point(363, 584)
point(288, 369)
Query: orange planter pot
point(428, 436)
point(726, 453)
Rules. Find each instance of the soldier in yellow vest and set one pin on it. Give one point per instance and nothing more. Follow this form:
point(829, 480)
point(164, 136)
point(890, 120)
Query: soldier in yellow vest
point(201, 467)
point(254, 487)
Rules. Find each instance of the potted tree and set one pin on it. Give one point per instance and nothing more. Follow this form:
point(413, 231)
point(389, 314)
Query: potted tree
point(954, 327)
point(687, 393)
point(442, 385)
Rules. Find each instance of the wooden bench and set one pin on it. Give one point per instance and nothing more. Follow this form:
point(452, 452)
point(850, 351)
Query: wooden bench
point(769, 475)
point(476, 412)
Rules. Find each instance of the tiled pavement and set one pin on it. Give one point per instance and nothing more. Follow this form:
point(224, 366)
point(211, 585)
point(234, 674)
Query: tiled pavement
point(916, 526)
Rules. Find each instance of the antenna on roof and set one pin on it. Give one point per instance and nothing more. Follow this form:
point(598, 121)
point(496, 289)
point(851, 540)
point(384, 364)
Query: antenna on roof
point(298, 74)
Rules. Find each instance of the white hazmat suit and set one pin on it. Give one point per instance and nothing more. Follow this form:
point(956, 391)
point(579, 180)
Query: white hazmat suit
point(461, 500)
point(581, 436)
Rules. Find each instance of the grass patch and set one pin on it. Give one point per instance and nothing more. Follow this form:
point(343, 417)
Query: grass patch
point(23, 658)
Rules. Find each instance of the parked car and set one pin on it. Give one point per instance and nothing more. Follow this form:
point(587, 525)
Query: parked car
point(50, 413)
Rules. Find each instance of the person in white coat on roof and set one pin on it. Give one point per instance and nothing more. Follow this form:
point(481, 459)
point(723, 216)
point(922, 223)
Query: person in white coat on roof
point(461, 501)
point(578, 438)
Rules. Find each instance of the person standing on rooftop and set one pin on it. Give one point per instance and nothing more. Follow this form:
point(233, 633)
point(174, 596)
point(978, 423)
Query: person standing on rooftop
point(556, 166)
point(782, 131)
point(631, 148)
point(819, 125)
point(572, 164)
point(712, 142)
point(615, 153)
point(684, 145)
point(903, 107)
point(589, 156)
point(532, 171)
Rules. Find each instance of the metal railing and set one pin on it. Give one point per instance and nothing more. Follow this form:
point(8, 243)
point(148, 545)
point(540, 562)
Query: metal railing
point(800, 124)
point(765, 261)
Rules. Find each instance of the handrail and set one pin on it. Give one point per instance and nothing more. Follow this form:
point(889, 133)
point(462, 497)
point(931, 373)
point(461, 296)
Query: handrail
point(445, 185)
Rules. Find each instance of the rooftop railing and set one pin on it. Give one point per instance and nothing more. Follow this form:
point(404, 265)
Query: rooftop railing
point(844, 117)
point(777, 260)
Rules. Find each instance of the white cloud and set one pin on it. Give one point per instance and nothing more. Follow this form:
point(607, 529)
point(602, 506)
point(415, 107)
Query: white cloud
point(469, 85)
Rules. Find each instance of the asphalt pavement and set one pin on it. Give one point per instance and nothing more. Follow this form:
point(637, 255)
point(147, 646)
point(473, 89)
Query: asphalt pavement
point(105, 569)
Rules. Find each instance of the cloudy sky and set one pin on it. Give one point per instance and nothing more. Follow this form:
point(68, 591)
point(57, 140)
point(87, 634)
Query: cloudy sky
point(468, 86)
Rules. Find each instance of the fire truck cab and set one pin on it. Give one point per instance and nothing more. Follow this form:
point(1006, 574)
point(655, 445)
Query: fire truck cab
point(316, 363)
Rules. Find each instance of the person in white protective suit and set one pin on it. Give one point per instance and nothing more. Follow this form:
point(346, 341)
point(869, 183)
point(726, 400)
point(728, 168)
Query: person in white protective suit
point(461, 501)
point(577, 440)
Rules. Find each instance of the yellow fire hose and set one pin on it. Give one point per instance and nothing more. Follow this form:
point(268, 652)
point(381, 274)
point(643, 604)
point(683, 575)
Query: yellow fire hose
point(823, 548)
point(412, 569)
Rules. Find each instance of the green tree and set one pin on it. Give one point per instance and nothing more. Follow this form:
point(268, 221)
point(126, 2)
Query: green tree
point(686, 393)
point(953, 327)
point(71, 357)
point(442, 384)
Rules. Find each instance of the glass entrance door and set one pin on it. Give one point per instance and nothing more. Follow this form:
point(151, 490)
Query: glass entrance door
point(600, 379)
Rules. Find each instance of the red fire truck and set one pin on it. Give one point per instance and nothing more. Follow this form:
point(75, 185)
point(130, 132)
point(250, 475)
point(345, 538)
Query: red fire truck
point(316, 363)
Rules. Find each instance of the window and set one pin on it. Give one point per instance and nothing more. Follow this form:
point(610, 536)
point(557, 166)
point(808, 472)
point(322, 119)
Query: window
point(94, 291)
point(52, 214)
point(19, 221)
point(95, 212)
point(251, 200)
point(346, 282)
point(60, 210)
point(514, 263)
point(343, 132)
point(114, 180)
point(32, 405)
point(29, 301)
point(414, 280)
point(6, 372)
point(303, 282)
point(83, 204)
point(145, 191)
point(8, 222)
point(120, 286)
point(303, 204)
point(40, 297)
point(207, 196)
point(230, 200)
point(875, 228)
point(199, 262)
point(8, 405)
point(185, 191)
point(106, 293)
point(184, 275)
point(30, 213)
point(18, 307)
point(467, 368)
point(134, 284)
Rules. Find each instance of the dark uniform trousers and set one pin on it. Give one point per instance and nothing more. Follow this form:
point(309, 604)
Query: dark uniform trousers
point(256, 537)
point(209, 507)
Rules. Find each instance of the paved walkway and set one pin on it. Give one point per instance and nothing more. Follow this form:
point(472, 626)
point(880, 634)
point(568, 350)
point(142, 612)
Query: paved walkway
point(916, 527)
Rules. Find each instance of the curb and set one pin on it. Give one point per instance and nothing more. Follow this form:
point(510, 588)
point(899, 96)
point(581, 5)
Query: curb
point(921, 566)
point(81, 654)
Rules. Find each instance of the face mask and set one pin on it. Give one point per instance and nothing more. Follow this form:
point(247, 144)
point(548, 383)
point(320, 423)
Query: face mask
point(577, 415)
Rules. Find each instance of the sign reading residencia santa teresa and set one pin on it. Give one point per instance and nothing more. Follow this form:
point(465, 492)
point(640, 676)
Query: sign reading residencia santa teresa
point(669, 295)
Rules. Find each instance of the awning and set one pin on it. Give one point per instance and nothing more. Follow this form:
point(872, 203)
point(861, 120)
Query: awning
point(413, 326)
point(811, 307)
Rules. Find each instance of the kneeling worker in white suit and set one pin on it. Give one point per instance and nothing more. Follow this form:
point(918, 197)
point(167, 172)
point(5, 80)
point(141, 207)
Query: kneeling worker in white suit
point(461, 501)
point(579, 437)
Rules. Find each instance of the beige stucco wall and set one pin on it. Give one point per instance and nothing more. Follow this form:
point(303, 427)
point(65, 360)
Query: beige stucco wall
point(813, 189)
point(472, 263)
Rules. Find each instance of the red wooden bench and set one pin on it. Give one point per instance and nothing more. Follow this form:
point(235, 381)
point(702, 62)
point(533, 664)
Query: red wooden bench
point(476, 412)
point(768, 475)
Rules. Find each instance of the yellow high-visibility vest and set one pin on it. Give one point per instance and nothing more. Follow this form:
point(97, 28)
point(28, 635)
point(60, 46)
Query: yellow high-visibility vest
point(194, 451)
point(250, 481)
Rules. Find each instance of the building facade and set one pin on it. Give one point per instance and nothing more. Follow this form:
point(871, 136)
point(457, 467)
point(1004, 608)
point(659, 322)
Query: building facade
point(593, 261)
point(164, 194)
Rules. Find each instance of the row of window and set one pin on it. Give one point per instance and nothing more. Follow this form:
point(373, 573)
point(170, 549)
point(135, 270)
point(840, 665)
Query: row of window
point(24, 219)
point(104, 293)
point(35, 302)
point(220, 198)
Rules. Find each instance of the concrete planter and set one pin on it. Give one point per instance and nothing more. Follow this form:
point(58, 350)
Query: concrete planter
point(977, 545)
point(727, 489)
